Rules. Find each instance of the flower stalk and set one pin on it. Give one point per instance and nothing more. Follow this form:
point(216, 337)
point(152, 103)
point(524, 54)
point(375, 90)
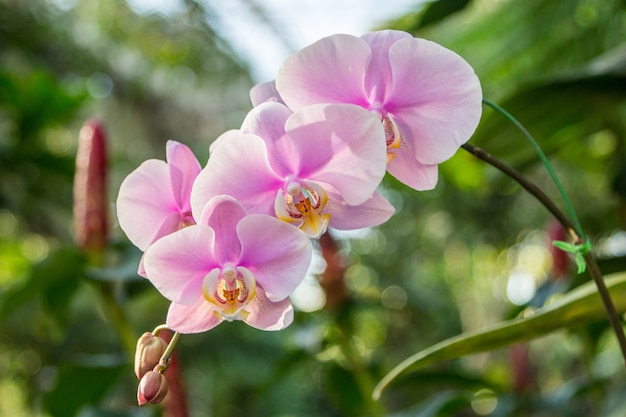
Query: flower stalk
point(581, 246)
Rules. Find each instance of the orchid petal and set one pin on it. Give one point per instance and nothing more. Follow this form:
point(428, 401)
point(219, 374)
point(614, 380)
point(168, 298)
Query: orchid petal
point(194, 318)
point(263, 92)
point(223, 138)
point(222, 213)
point(240, 168)
point(332, 70)
point(378, 77)
point(265, 314)
point(436, 94)
point(340, 144)
point(184, 168)
point(146, 208)
point(276, 253)
point(177, 263)
point(267, 121)
point(374, 211)
point(407, 169)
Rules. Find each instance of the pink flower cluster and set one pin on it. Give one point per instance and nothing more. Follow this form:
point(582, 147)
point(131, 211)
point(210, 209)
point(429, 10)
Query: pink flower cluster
point(232, 240)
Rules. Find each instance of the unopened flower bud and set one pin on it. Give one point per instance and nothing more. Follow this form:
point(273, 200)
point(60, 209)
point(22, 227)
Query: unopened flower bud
point(90, 189)
point(149, 350)
point(152, 388)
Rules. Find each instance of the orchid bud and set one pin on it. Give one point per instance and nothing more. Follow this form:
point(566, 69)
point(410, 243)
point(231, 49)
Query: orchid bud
point(90, 189)
point(152, 388)
point(149, 350)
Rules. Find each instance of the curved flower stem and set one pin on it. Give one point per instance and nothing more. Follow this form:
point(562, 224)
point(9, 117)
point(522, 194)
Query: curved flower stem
point(544, 160)
point(175, 404)
point(528, 185)
point(165, 358)
point(577, 237)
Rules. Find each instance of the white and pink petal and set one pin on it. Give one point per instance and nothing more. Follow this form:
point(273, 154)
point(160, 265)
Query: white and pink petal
point(340, 144)
point(331, 70)
point(374, 211)
point(222, 213)
point(184, 168)
point(436, 95)
point(277, 254)
point(177, 263)
point(240, 168)
point(268, 315)
point(146, 207)
point(194, 318)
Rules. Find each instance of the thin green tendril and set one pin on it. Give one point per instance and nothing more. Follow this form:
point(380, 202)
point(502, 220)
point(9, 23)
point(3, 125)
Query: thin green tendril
point(546, 163)
point(578, 250)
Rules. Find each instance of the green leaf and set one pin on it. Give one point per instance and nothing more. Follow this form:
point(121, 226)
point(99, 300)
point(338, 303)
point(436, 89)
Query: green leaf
point(576, 308)
point(55, 280)
point(79, 386)
point(578, 250)
point(439, 10)
point(430, 14)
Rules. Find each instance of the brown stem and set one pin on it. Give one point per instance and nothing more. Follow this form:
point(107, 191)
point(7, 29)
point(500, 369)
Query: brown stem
point(616, 324)
point(529, 186)
point(592, 265)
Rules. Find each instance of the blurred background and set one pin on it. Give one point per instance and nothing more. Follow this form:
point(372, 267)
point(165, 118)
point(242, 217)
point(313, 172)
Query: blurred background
point(473, 252)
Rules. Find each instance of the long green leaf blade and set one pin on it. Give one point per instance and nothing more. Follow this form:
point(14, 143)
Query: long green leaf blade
point(578, 307)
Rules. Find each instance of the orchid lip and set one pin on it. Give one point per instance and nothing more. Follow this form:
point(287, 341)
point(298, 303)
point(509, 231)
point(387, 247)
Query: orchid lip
point(229, 290)
point(304, 209)
point(393, 137)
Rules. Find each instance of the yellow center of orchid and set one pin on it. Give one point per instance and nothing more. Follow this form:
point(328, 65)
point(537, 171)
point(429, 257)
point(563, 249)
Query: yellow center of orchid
point(302, 203)
point(393, 137)
point(229, 290)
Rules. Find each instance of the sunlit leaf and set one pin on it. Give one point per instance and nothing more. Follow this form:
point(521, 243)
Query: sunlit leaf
point(580, 306)
point(55, 279)
point(431, 14)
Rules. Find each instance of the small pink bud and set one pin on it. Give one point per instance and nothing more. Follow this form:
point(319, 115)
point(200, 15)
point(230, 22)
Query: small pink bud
point(90, 189)
point(149, 350)
point(152, 388)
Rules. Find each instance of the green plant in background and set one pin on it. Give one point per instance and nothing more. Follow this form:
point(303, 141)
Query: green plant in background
point(475, 254)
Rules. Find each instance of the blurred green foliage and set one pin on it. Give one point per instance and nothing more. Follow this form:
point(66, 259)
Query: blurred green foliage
point(471, 253)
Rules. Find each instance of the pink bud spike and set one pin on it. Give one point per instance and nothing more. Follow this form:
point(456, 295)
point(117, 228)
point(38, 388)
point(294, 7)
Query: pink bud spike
point(90, 189)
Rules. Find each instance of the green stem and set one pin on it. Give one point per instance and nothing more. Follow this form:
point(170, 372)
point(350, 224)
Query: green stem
point(118, 318)
point(544, 160)
point(592, 265)
point(165, 358)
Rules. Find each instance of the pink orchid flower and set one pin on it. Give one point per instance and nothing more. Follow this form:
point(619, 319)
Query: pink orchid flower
point(263, 92)
point(427, 97)
point(229, 266)
point(315, 168)
point(153, 200)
